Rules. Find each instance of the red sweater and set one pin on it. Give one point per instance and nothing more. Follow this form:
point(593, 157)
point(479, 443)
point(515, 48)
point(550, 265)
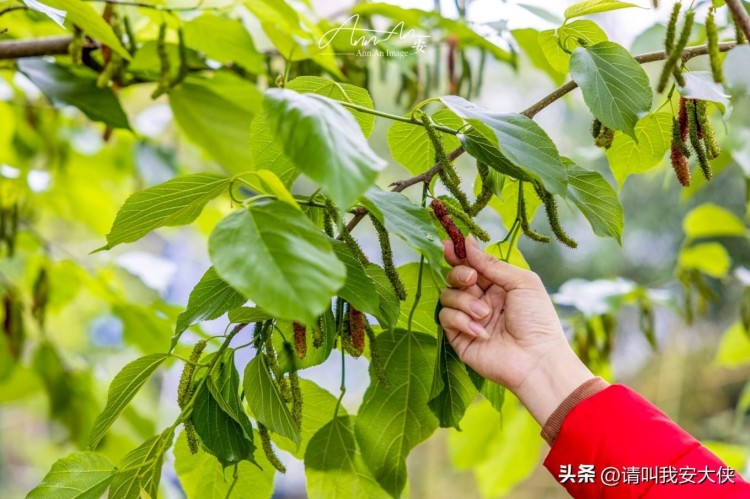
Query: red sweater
point(637, 448)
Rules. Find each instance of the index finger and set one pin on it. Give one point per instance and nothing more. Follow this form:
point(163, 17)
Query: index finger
point(493, 271)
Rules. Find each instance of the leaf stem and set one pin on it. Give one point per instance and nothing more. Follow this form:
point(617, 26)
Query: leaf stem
point(342, 387)
point(188, 361)
point(395, 117)
point(417, 295)
point(235, 477)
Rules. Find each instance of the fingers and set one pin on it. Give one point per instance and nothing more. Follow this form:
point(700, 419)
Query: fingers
point(461, 277)
point(450, 254)
point(451, 318)
point(494, 271)
point(464, 302)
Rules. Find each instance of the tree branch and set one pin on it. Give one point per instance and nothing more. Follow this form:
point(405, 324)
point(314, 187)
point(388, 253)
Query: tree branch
point(740, 16)
point(532, 111)
point(16, 49)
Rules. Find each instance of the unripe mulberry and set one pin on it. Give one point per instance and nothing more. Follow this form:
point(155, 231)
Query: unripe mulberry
point(455, 211)
point(265, 439)
point(712, 39)
point(459, 243)
point(300, 340)
point(485, 194)
point(387, 253)
point(672, 27)
point(191, 435)
point(709, 139)
point(296, 399)
point(605, 138)
point(695, 139)
point(550, 207)
point(376, 362)
point(525, 227)
point(185, 386)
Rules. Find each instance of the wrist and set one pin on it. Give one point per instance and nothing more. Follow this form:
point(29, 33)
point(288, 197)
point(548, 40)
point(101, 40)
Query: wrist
point(556, 375)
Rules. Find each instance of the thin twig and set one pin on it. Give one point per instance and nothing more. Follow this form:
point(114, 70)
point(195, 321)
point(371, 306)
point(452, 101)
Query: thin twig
point(11, 9)
point(740, 16)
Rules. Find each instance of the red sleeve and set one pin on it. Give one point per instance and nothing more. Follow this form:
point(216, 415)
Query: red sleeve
point(635, 451)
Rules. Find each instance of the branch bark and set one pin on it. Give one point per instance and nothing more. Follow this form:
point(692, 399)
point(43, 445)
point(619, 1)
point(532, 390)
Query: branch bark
point(740, 15)
point(533, 110)
point(17, 49)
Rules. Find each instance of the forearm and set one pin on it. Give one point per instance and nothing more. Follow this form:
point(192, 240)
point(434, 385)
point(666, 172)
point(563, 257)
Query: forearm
point(556, 376)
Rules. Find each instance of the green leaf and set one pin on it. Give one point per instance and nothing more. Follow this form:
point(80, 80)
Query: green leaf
point(221, 435)
point(202, 476)
point(393, 420)
point(710, 258)
point(268, 152)
point(490, 441)
point(424, 315)
point(317, 411)
point(275, 256)
point(596, 199)
point(223, 40)
point(710, 220)
point(411, 146)
point(83, 16)
point(452, 389)
point(343, 92)
point(81, 475)
point(529, 41)
point(628, 157)
point(521, 140)
point(334, 467)
point(409, 221)
point(358, 286)
point(211, 298)
point(122, 390)
point(324, 142)
point(550, 42)
point(76, 88)
point(137, 318)
point(541, 13)
point(175, 202)
point(215, 113)
point(594, 6)
point(492, 392)
point(481, 142)
point(736, 78)
point(141, 469)
point(267, 182)
point(248, 315)
point(615, 87)
point(388, 303)
point(734, 347)
point(700, 85)
point(224, 386)
point(265, 401)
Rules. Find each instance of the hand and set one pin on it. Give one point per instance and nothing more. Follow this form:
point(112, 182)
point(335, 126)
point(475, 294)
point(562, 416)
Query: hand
point(501, 322)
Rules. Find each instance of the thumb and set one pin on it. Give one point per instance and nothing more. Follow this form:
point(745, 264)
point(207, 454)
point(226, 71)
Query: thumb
point(492, 270)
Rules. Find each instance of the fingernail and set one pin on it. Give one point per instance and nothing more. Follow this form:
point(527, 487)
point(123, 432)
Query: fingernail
point(466, 274)
point(480, 309)
point(477, 329)
point(473, 242)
